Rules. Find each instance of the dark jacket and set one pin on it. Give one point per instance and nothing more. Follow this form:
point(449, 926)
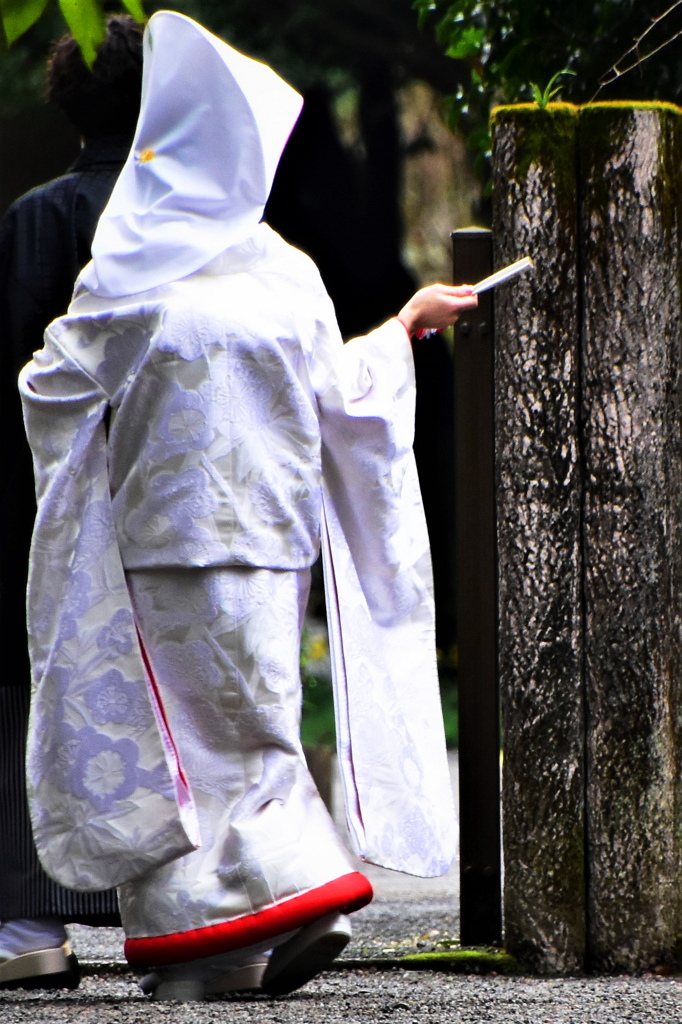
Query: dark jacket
point(45, 240)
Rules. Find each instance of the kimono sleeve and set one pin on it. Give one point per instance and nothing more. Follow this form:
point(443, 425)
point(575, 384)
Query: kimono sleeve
point(380, 608)
point(107, 795)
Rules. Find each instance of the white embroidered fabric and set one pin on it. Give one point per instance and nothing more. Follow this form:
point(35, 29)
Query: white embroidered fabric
point(224, 646)
point(199, 425)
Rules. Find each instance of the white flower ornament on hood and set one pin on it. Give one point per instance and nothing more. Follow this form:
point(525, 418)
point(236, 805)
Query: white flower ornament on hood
point(212, 127)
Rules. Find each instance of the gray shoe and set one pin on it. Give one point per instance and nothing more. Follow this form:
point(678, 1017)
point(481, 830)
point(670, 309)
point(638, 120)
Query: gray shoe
point(310, 951)
point(43, 968)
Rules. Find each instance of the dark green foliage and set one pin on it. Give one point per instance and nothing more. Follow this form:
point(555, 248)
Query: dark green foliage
point(22, 68)
point(84, 18)
point(308, 41)
point(318, 727)
point(510, 44)
point(449, 704)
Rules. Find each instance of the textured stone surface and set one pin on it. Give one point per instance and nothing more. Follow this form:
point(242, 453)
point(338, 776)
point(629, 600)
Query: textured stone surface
point(589, 533)
point(538, 530)
point(632, 185)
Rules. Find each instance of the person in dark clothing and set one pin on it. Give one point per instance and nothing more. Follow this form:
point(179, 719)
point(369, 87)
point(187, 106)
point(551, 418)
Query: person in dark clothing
point(45, 240)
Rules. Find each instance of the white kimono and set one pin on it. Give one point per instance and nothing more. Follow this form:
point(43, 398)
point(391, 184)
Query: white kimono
point(220, 423)
point(199, 429)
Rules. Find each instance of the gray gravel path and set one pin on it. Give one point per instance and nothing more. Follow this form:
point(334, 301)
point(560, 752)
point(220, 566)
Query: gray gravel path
point(372, 996)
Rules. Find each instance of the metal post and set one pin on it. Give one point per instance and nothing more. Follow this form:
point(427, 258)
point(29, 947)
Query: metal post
point(476, 599)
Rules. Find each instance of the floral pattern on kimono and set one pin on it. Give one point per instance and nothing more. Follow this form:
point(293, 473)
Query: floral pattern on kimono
point(218, 421)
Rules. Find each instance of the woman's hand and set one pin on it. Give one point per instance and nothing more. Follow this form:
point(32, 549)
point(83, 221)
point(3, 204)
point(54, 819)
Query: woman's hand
point(436, 306)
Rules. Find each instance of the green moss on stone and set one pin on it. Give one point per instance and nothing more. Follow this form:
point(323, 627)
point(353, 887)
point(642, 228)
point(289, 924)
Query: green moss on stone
point(463, 961)
point(545, 138)
point(578, 109)
point(551, 137)
point(633, 105)
point(515, 108)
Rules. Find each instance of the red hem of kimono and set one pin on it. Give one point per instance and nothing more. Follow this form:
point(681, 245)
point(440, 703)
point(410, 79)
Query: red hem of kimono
point(345, 894)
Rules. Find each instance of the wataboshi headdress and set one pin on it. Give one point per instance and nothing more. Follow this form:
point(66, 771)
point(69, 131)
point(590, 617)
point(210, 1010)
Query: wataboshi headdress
point(212, 127)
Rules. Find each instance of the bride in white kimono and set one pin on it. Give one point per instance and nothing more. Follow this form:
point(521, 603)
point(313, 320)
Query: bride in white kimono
point(199, 430)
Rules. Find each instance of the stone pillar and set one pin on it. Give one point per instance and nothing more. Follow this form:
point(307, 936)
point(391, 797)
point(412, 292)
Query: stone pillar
point(589, 506)
point(631, 170)
point(537, 327)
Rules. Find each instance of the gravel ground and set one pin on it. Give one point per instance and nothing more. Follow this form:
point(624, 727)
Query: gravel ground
point(346, 997)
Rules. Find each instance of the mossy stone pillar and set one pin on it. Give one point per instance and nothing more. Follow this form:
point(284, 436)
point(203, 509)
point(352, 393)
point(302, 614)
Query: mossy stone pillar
point(589, 505)
point(537, 329)
point(631, 171)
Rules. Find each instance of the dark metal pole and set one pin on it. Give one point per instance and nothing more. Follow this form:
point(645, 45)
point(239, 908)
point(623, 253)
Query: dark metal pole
point(476, 597)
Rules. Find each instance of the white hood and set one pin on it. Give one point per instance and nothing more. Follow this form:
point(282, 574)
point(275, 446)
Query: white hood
point(212, 127)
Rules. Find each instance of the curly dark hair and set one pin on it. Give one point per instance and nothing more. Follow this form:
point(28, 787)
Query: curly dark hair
point(106, 99)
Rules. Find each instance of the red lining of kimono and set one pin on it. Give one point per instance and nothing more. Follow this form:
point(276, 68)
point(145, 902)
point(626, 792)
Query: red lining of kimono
point(345, 894)
point(161, 709)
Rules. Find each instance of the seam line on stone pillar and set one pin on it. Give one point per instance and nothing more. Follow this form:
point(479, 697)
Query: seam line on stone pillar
point(580, 432)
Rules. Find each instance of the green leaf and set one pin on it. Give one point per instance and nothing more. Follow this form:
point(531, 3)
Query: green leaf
point(543, 98)
point(466, 43)
point(480, 139)
point(549, 92)
point(85, 19)
point(18, 16)
point(424, 9)
point(135, 8)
